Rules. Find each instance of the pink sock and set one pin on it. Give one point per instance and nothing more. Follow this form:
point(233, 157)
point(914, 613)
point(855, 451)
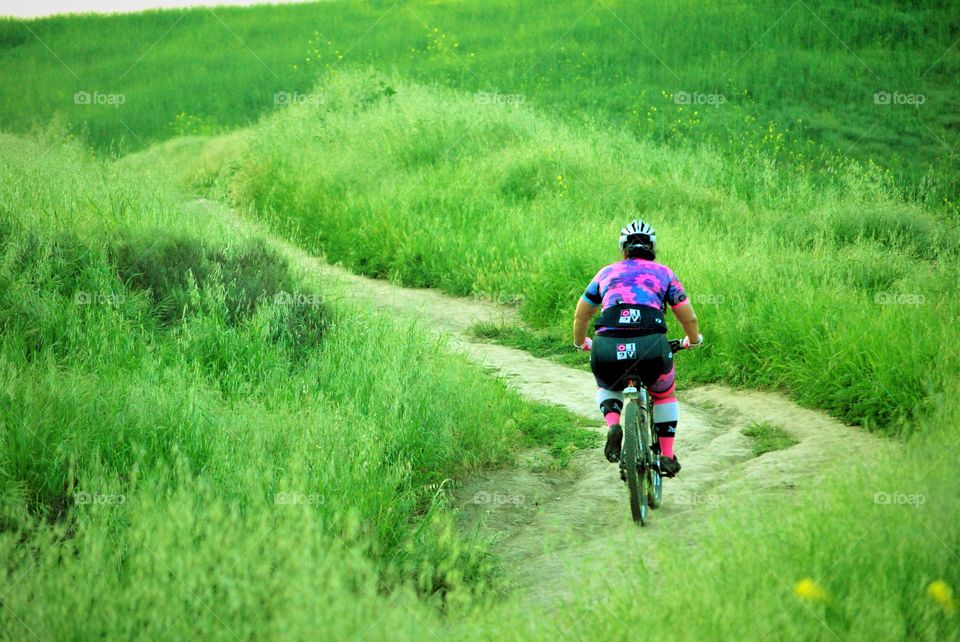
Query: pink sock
point(612, 418)
point(666, 446)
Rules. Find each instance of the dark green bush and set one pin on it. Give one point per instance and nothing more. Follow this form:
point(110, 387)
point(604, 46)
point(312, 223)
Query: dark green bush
point(299, 329)
point(12, 34)
point(171, 268)
point(919, 235)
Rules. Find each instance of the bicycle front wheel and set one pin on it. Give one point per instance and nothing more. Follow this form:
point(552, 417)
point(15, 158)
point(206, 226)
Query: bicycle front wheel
point(632, 462)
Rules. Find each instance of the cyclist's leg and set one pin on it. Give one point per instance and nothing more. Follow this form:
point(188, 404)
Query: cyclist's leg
point(608, 371)
point(666, 412)
point(611, 403)
point(658, 376)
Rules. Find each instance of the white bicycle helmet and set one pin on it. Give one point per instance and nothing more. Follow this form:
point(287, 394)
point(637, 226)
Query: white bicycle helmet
point(638, 235)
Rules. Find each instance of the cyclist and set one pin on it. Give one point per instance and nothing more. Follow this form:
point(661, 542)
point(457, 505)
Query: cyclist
point(631, 336)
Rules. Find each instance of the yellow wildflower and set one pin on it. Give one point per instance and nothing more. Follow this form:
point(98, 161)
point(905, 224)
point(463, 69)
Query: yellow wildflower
point(941, 593)
point(807, 589)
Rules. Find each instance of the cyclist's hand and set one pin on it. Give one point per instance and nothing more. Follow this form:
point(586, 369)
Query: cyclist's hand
point(587, 345)
point(687, 345)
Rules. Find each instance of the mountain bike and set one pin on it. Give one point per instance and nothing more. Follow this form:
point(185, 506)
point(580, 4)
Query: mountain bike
point(640, 457)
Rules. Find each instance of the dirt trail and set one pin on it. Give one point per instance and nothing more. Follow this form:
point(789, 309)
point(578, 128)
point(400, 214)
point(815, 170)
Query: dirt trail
point(555, 530)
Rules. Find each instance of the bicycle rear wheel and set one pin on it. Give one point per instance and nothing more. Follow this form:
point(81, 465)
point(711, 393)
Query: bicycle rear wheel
point(651, 451)
point(632, 463)
point(655, 483)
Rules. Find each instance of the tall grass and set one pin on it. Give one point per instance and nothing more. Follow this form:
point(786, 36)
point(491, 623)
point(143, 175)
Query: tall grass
point(786, 76)
point(824, 287)
point(184, 418)
point(426, 186)
point(181, 557)
point(188, 451)
point(852, 557)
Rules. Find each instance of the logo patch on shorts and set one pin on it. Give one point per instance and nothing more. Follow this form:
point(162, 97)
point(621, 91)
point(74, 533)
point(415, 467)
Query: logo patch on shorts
point(626, 351)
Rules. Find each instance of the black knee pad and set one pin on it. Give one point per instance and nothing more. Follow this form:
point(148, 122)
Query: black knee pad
point(610, 405)
point(666, 428)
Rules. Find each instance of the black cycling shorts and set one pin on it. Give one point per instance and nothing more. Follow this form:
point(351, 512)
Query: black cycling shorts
point(645, 357)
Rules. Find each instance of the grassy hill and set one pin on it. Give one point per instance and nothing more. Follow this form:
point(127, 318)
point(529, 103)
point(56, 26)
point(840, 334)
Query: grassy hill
point(176, 397)
point(427, 187)
point(188, 452)
point(180, 458)
point(804, 81)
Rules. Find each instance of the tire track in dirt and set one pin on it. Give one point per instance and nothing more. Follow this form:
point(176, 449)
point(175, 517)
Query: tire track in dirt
point(558, 531)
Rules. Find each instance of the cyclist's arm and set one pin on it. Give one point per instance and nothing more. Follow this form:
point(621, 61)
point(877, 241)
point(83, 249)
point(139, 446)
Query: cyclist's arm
point(581, 319)
point(688, 319)
point(682, 309)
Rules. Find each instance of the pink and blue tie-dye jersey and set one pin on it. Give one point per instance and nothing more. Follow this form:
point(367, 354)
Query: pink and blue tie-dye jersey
point(636, 282)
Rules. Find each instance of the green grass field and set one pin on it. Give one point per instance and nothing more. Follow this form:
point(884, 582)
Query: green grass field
point(797, 79)
point(155, 380)
point(187, 454)
point(507, 203)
